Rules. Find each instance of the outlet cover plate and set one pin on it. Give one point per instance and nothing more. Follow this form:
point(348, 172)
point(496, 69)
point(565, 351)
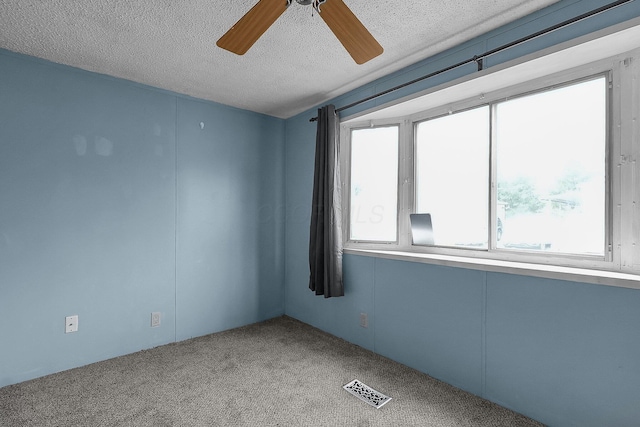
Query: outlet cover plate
point(364, 320)
point(71, 324)
point(155, 319)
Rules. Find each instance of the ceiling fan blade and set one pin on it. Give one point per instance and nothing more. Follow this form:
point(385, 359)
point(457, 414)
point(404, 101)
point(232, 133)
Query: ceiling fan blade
point(252, 25)
point(349, 30)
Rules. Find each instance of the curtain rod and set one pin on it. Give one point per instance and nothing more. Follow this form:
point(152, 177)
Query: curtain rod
point(479, 58)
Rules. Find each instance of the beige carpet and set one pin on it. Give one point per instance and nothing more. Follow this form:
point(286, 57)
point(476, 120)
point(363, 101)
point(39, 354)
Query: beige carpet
point(277, 373)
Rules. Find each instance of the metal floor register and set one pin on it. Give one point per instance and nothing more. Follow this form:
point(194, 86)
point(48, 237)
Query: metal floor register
point(366, 394)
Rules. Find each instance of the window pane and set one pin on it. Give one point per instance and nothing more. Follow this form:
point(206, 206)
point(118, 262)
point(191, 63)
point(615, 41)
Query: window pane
point(551, 169)
point(374, 184)
point(452, 177)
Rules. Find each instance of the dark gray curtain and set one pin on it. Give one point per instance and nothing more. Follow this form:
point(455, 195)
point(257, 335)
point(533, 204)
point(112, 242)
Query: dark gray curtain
point(325, 242)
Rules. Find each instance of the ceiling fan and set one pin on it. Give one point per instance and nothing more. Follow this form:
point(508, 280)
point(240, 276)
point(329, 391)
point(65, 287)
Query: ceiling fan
point(355, 38)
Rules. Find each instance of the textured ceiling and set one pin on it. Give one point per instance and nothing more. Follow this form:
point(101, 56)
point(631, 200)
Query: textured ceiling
point(297, 64)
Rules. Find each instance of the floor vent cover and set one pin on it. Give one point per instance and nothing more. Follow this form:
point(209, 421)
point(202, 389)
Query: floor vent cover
point(366, 394)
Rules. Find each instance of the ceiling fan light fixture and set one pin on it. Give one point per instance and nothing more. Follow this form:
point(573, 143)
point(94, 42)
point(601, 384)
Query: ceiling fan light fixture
point(304, 2)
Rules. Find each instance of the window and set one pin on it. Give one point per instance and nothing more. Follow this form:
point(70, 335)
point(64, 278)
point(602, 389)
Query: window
point(452, 177)
point(532, 173)
point(551, 157)
point(373, 208)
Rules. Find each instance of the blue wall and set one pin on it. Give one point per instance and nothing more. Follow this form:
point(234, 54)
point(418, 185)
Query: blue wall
point(115, 202)
point(563, 353)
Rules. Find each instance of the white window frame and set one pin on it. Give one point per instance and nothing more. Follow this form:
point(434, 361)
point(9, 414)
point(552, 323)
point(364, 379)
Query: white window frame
point(346, 196)
point(620, 265)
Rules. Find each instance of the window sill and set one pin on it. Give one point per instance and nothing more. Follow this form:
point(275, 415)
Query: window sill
point(584, 275)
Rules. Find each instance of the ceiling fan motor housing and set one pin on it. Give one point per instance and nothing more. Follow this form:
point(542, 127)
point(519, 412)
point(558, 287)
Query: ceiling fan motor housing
point(316, 3)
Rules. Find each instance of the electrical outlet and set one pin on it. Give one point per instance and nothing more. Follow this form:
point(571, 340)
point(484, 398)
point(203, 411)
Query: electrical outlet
point(71, 324)
point(364, 320)
point(155, 319)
